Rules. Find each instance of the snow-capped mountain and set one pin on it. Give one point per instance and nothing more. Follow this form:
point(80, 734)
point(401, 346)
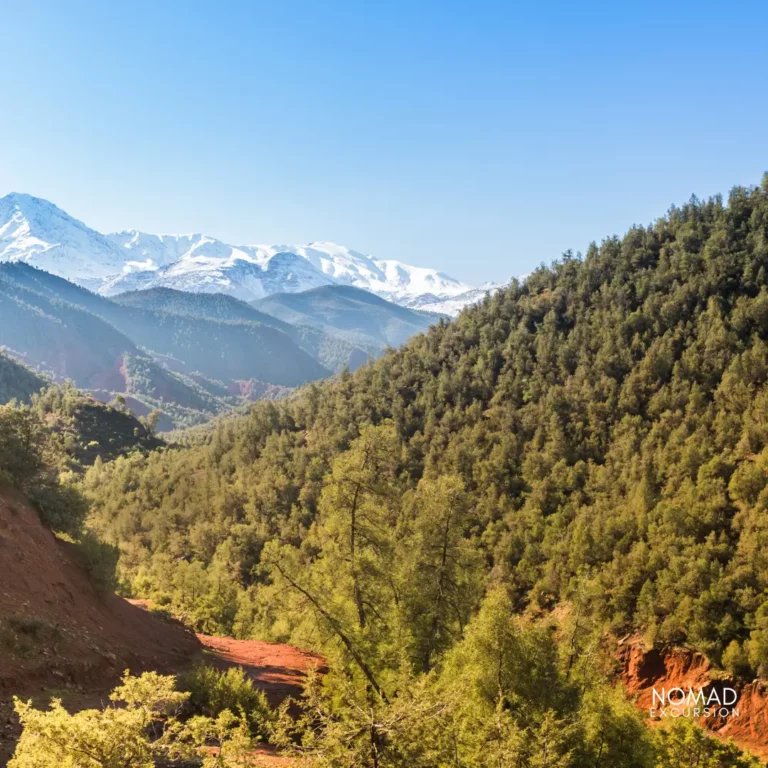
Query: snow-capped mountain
point(202, 263)
point(37, 232)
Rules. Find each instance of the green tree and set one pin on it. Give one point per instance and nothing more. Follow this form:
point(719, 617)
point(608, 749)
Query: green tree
point(684, 744)
point(440, 567)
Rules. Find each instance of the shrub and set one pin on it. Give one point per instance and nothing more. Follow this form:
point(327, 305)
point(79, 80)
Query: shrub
point(124, 735)
point(99, 560)
point(61, 506)
point(23, 445)
point(213, 691)
point(757, 645)
point(684, 743)
point(736, 660)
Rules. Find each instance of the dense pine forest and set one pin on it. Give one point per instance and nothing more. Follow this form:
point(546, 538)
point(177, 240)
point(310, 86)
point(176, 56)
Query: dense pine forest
point(463, 525)
point(594, 434)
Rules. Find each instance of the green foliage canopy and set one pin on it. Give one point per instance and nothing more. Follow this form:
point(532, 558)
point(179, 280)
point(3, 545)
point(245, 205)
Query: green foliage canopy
point(604, 422)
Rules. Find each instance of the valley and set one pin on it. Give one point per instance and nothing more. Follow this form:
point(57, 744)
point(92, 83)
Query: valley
point(154, 347)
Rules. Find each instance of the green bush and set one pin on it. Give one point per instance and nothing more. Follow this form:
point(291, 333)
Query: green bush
point(736, 660)
point(139, 729)
point(24, 443)
point(61, 506)
point(99, 560)
point(684, 743)
point(212, 691)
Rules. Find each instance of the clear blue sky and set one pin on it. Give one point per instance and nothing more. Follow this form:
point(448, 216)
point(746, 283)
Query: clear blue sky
point(479, 137)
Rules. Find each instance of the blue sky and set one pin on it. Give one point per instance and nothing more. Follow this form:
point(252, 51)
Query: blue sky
point(480, 138)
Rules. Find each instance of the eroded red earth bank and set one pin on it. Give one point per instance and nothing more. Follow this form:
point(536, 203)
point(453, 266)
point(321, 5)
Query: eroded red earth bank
point(679, 667)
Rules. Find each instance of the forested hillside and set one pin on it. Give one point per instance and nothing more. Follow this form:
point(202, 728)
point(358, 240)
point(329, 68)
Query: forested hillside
point(17, 381)
point(329, 349)
point(593, 443)
point(49, 441)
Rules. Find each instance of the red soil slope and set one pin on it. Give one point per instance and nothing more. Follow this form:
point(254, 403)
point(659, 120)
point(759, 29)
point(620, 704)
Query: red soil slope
point(685, 668)
point(54, 626)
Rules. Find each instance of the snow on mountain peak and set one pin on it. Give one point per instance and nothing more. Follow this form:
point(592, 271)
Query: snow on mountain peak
point(36, 231)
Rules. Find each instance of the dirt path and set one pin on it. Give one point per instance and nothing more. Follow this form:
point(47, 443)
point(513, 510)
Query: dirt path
point(61, 638)
point(277, 669)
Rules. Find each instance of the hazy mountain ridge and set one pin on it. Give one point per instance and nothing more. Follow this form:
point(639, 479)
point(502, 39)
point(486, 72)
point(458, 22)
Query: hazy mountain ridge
point(215, 348)
point(162, 359)
point(18, 381)
point(63, 339)
point(69, 343)
point(329, 348)
point(350, 312)
point(192, 356)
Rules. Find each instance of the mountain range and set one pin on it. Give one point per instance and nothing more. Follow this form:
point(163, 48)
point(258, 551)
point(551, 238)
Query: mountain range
point(37, 232)
point(355, 315)
point(191, 326)
point(192, 355)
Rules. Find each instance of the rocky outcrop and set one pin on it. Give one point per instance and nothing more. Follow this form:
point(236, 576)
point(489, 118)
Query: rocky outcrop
point(680, 667)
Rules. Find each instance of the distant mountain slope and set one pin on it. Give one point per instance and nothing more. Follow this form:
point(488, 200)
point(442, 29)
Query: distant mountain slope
point(71, 343)
point(212, 306)
point(352, 312)
point(217, 349)
point(38, 233)
point(453, 305)
point(329, 349)
point(17, 381)
point(189, 368)
point(56, 336)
